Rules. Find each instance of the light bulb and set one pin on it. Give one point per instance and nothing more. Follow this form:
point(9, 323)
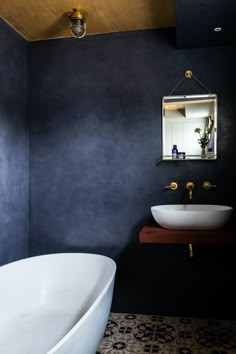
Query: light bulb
point(77, 24)
point(78, 28)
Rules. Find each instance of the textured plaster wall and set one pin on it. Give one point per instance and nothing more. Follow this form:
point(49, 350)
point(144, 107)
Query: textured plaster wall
point(95, 138)
point(14, 171)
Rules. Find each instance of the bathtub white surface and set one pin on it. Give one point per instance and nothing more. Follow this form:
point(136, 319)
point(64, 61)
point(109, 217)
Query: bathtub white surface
point(45, 299)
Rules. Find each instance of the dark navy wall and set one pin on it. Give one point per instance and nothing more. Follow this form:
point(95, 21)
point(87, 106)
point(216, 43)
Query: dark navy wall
point(95, 137)
point(14, 170)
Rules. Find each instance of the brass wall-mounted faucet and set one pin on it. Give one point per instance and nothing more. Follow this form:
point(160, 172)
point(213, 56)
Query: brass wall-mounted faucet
point(172, 186)
point(208, 185)
point(190, 187)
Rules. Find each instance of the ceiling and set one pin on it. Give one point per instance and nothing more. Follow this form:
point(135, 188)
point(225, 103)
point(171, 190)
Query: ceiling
point(197, 19)
point(194, 20)
point(46, 19)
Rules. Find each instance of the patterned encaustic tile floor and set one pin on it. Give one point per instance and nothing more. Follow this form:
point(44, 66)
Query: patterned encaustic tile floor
point(151, 334)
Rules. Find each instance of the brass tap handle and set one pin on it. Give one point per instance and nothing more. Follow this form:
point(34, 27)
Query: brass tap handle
point(172, 186)
point(208, 185)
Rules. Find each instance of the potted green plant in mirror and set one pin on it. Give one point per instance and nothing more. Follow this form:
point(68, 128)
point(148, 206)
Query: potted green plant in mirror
point(203, 140)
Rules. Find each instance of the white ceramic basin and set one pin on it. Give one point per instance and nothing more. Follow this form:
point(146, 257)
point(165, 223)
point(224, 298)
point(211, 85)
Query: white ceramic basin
point(191, 216)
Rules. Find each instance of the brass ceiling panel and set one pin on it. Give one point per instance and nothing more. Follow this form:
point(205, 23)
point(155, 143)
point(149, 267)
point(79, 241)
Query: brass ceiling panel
point(46, 19)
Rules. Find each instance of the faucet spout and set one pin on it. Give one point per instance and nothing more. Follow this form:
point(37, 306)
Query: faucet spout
point(190, 187)
point(190, 193)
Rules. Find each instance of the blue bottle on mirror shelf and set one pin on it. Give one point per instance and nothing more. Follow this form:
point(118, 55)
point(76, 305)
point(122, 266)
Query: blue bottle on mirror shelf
point(174, 152)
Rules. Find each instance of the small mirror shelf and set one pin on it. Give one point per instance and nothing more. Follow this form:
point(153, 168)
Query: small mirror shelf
point(190, 122)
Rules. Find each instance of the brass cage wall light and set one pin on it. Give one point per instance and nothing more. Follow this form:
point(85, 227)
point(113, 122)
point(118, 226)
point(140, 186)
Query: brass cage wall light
point(77, 23)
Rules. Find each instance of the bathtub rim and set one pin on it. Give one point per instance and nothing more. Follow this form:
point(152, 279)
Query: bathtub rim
point(111, 279)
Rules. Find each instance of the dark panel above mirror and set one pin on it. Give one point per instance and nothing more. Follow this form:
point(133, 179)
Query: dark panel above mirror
point(198, 23)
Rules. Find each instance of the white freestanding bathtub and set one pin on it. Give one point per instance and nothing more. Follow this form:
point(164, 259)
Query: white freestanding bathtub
point(58, 303)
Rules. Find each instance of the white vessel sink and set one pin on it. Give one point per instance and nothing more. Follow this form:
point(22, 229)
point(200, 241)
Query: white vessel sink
point(191, 216)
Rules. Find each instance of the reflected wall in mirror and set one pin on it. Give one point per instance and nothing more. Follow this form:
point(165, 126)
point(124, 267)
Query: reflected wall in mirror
point(190, 122)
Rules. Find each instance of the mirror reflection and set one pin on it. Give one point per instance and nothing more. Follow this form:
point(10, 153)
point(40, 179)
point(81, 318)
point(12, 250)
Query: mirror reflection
point(189, 127)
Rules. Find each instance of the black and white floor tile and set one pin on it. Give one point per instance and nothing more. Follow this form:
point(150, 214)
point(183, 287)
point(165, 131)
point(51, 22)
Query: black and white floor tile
point(151, 334)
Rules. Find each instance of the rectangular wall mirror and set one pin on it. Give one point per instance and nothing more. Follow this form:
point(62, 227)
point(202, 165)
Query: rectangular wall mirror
point(190, 123)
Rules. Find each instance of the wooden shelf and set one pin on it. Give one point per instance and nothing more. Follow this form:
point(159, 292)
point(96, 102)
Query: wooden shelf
point(154, 234)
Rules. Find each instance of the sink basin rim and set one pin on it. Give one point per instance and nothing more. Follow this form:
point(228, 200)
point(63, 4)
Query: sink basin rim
point(191, 207)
